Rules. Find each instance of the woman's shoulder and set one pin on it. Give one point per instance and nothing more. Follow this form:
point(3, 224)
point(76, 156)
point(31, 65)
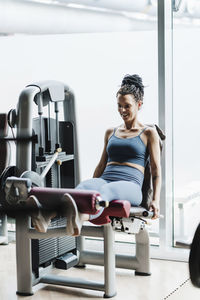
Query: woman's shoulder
point(151, 132)
point(109, 132)
point(110, 129)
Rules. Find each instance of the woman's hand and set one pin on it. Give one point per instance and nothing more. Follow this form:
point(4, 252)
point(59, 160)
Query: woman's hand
point(155, 208)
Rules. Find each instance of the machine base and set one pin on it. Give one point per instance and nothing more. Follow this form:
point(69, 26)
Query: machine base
point(142, 274)
point(24, 294)
point(110, 296)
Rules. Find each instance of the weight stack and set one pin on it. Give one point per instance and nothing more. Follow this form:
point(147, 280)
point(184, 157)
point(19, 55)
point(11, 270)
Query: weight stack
point(48, 251)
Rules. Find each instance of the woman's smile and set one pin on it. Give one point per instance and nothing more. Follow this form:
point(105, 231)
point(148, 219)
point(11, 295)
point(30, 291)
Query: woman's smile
point(124, 116)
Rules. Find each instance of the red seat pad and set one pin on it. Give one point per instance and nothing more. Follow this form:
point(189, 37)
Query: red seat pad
point(50, 198)
point(116, 208)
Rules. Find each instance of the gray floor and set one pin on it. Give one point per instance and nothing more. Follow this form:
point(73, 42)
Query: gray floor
point(169, 280)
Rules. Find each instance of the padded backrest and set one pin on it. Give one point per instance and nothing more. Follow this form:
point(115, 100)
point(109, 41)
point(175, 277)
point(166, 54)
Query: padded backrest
point(147, 191)
point(4, 145)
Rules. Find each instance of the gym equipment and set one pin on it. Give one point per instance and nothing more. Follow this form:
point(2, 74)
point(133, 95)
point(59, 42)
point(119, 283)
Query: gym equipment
point(31, 158)
point(4, 169)
point(194, 259)
point(38, 179)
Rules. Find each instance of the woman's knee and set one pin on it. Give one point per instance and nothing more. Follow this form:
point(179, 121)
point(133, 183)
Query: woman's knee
point(91, 184)
point(123, 190)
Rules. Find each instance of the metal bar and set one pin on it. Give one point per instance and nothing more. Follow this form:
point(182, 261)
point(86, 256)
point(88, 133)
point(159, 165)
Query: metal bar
point(80, 243)
point(23, 163)
point(24, 128)
point(72, 282)
point(3, 230)
point(57, 124)
point(126, 262)
point(143, 251)
point(49, 126)
point(59, 175)
point(69, 107)
point(92, 258)
point(57, 142)
point(23, 256)
point(51, 232)
point(50, 164)
point(32, 138)
point(109, 262)
point(93, 231)
point(97, 258)
point(62, 157)
point(40, 113)
point(165, 96)
point(61, 231)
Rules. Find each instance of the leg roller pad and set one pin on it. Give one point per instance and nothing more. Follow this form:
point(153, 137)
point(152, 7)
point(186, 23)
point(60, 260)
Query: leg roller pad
point(85, 200)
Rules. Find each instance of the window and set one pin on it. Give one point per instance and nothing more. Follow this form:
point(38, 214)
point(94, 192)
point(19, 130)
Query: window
point(186, 122)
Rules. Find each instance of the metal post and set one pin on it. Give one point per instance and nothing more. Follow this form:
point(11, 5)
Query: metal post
point(109, 262)
point(165, 96)
point(23, 256)
point(3, 230)
point(24, 128)
point(70, 116)
point(56, 104)
point(80, 242)
point(143, 253)
point(23, 163)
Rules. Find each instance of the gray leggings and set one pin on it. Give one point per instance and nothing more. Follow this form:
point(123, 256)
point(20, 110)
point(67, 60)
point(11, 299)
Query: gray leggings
point(118, 182)
point(116, 190)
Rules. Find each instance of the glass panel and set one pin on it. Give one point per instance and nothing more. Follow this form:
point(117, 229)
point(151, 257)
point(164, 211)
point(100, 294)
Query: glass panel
point(186, 49)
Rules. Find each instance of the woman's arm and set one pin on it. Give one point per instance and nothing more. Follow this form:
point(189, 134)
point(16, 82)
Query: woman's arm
point(104, 157)
point(154, 151)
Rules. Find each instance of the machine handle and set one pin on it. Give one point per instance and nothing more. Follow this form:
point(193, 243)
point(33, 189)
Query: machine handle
point(50, 163)
point(101, 203)
point(150, 214)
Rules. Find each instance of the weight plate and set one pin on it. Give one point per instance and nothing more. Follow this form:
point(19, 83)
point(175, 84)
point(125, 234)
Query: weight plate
point(8, 172)
point(34, 177)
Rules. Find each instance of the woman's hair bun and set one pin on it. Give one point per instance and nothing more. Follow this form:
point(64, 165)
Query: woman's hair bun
point(135, 80)
point(132, 84)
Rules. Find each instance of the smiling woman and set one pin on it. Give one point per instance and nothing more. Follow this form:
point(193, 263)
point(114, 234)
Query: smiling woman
point(120, 172)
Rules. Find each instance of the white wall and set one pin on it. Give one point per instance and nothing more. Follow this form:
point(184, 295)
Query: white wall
point(93, 66)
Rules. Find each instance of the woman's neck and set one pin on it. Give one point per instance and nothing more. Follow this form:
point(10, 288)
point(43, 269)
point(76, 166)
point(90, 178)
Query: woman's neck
point(131, 125)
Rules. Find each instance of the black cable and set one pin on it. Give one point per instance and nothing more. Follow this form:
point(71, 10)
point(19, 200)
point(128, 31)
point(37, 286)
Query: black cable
point(176, 289)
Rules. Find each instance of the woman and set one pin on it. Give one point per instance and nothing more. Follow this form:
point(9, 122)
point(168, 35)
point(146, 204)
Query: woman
point(120, 171)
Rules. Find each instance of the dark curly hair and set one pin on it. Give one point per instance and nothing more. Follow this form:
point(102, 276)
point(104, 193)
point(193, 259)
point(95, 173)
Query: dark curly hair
point(132, 84)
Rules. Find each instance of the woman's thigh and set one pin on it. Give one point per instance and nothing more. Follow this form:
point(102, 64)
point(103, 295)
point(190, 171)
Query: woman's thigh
point(122, 190)
point(92, 184)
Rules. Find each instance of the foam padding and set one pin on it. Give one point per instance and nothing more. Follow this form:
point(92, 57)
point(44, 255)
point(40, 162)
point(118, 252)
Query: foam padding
point(85, 200)
point(116, 208)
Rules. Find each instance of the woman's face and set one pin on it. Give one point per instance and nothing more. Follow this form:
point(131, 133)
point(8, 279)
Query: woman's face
point(127, 107)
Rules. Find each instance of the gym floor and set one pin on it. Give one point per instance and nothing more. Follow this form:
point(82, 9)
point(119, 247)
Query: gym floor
point(169, 280)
